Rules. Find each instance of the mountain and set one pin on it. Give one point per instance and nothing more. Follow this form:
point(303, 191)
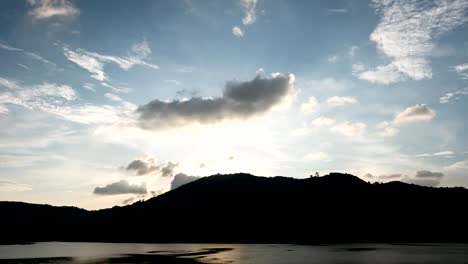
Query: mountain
point(248, 209)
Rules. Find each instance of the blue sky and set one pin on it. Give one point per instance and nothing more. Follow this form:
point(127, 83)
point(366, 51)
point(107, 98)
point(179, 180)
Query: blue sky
point(106, 102)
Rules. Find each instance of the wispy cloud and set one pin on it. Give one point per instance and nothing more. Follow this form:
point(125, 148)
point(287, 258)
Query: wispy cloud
point(94, 62)
point(406, 35)
point(337, 10)
point(447, 153)
point(58, 100)
point(29, 54)
point(44, 9)
point(456, 95)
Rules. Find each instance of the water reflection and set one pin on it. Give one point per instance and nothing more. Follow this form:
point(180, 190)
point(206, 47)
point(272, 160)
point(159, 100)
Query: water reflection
point(102, 253)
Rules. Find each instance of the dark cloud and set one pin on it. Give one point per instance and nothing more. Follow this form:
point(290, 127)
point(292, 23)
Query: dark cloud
point(181, 179)
point(426, 178)
point(121, 187)
point(142, 167)
point(148, 166)
point(128, 201)
point(423, 177)
point(240, 100)
point(168, 170)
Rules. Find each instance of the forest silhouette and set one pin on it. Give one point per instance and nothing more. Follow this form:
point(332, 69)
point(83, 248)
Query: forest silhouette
point(242, 208)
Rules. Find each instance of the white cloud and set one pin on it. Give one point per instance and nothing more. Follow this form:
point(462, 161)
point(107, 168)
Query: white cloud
point(350, 129)
point(463, 165)
point(323, 122)
point(448, 96)
point(336, 101)
point(113, 97)
point(447, 153)
point(416, 113)
point(236, 31)
point(57, 100)
point(310, 106)
point(462, 69)
point(89, 86)
point(94, 62)
point(316, 156)
point(89, 63)
point(117, 89)
point(385, 74)
point(249, 8)
point(387, 130)
point(44, 9)
point(406, 33)
point(174, 82)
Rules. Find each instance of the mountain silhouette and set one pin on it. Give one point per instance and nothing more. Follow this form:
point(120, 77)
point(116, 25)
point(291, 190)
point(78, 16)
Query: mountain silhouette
point(242, 208)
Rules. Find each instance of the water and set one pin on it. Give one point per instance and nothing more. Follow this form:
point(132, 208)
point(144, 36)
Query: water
point(100, 253)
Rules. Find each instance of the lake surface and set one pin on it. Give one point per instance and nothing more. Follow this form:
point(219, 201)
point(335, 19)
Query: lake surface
point(100, 253)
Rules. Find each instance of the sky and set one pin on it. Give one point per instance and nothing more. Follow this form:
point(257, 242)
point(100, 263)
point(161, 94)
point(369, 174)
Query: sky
point(104, 103)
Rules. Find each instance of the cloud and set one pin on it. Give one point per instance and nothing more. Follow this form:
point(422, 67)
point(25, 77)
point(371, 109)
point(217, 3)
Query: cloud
point(457, 94)
point(323, 122)
point(462, 69)
point(333, 59)
point(336, 101)
point(458, 165)
point(29, 54)
point(42, 96)
point(423, 177)
point(149, 166)
point(168, 170)
point(58, 100)
point(174, 82)
point(447, 153)
point(121, 187)
point(94, 62)
point(350, 129)
point(405, 34)
point(416, 113)
point(142, 167)
point(113, 97)
point(236, 31)
point(117, 89)
point(387, 129)
point(8, 186)
point(182, 179)
point(337, 10)
point(128, 201)
point(89, 86)
point(44, 9)
point(89, 63)
point(310, 106)
point(249, 8)
point(240, 100)
point(316, 156)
